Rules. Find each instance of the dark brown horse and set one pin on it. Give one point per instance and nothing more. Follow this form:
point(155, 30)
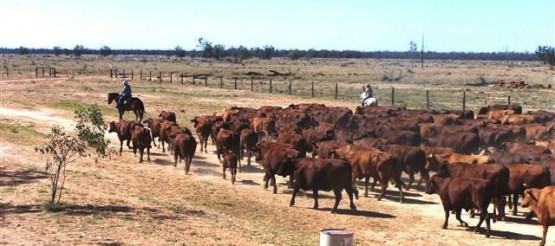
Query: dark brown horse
point(133, 104)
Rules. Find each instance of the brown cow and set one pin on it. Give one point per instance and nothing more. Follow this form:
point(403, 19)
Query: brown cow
point(524, 176)
point(497, 174)
point(123, 129)
point(373, 163)
point(264, 126)
point(411, 160)
point(166, 128)
point(247, 142)
point(226, 140)
point(168, 115)
point(155, 128)
point(277, 159)
point(323, 149)
point(203, 126)
point(461, 142)
point(140, 136)
point(185, 146)
point(324, 174)
point(463, 193)
point(542, 203)
point(230, 161)
point(434, 160)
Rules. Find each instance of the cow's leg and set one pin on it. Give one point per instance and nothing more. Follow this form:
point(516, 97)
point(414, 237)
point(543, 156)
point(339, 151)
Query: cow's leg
point(315, 195)
point(148, 154)
point(295, 191)
point(350, 192)
point(374, 184)
point(120, 146)
point(134, 151)
point(175, 158)
point(249, 154)
point(501, 207)
point(233, 175)
point(141, 152)
point(266, 180)
point(401, 196)
point(545, 227)
point(411, 180)
point(488, 228)
point(483, 215)
point(290, 182)
point(337, 193)
point(383, 183)
point(366, 182)
point(273, 178)
point(163, 148)
point(515, 201)
point(129, 146)
point(458, 216)
point(446, 217)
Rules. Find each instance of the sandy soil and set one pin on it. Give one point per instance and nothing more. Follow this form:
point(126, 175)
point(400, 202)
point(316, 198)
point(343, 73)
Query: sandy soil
point(118, 202)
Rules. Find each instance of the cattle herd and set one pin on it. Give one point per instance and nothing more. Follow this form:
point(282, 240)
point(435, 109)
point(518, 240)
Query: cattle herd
point(491, 157)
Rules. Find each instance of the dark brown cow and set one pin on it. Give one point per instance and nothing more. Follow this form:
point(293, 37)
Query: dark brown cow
point(247, 142)
point(324, 174)
point(226, 140)
point(370, 142)
point(524, 176)
point(497, 174)
point(542, 203)
point(463, 193)
point(219, 124)
point(373, 163)
point(411, 159)
point(140, 136)
point(155, 128)
point(434, 160)
point(168, 115)
point(277, 159)
point(515, 107)
point(447, 119)
point(230, 161)
point(463, 143)
point(185, 146)
point(296, 140)
point(123, 129)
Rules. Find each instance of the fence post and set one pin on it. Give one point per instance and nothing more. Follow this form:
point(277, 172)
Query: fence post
point(160, 77)
point(464, 101)
point(312, 89)
point(222, 82)
point(392, 95)
point(131, 74)
point(36, 71)
point(149, 75)
point(335, 91)
point(252, 84)
point(171, 77)
point(42, 71)
point(140, 74)
point(111, 71)
point(290, 89)
point(509, 100)
point(54, 72)
point(116, 73)
point(206, 81)
point(427, 99)
point(7, 72)
point(194, 76)
point(270, 86)
point(235, 83)
point(124, 73)
point(181, 78)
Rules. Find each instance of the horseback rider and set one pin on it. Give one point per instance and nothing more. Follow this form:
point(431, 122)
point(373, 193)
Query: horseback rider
point(125, 93)
point(368, 92)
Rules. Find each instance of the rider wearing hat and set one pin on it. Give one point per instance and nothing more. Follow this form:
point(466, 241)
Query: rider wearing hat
point(368, 92)
point(125, 93)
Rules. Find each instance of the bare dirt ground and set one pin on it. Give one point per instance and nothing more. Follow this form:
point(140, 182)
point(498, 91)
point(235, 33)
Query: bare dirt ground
point(119, 201)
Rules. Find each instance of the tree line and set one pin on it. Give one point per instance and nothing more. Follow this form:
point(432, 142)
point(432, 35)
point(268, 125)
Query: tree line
point(206, 49)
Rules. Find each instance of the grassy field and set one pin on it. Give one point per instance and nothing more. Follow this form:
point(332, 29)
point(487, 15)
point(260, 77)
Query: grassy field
point(118, 201)
point(444, 80)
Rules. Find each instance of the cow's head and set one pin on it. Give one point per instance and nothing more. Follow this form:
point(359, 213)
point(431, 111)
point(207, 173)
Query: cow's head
point(433, 184)
point(112, 126)
point(443, 170)
point(195, 121)
point(530, 198)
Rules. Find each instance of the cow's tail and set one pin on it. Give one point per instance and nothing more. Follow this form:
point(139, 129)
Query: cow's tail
point(146, 132)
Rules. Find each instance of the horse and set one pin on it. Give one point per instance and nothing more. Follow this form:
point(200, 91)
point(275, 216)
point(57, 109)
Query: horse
point(133, 104)
point(371, 101)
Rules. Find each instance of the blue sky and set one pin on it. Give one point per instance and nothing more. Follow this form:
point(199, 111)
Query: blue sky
point(472, 25)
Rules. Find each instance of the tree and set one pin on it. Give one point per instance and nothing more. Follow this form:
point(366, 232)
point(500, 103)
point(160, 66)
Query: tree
point(22, 50)
point(268, 52)
point(546, 54)
point(206, 46)
point(105, 51)
point(243, 53)
point(78, 50)
point(65, 148)
point(179, 52)
point(57, 50)
point(218, 51)
point(413, 48)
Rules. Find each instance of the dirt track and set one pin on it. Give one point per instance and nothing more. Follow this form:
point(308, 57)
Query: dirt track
point(121, 201)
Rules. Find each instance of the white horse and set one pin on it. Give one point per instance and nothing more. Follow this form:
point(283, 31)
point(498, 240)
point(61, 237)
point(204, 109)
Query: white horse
point(371, 101)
